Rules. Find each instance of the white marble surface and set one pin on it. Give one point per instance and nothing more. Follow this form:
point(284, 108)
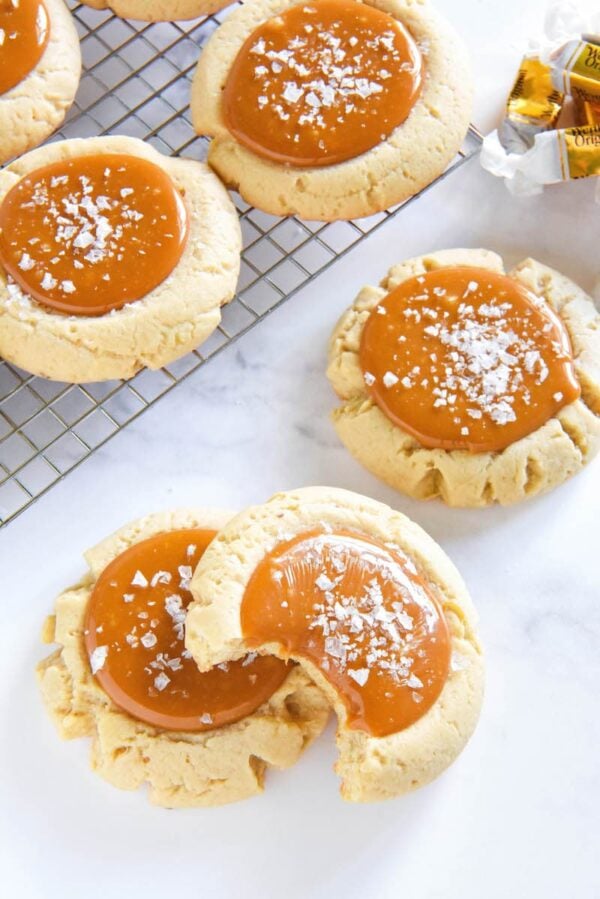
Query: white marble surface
point(517, 815)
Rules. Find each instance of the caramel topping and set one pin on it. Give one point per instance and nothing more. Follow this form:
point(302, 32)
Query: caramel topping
point(24, 33)
point(322, 82)
point(89, 234)
point(361, 613)
point(134, 635)
point(465, 358)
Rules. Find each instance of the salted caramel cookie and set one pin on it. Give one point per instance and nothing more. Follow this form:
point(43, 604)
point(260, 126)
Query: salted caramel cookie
point(112, 257)
point(40, 65)
point(372, 610)
point(122, 676)
point(460, 381)
point(159, 10)
point(334, 109)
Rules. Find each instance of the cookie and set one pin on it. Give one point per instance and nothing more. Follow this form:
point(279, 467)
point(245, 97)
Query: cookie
point(121, 676)
point(40, 65)
point(161, 11)
point(370, 607)
point(125, 264)
point(460, 382)
point(331, 110)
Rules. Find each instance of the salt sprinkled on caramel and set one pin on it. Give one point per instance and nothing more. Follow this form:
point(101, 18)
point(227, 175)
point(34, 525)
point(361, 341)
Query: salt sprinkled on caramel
point(340, 76)
point(361, 613)
point(467, 358)
point(142, 663)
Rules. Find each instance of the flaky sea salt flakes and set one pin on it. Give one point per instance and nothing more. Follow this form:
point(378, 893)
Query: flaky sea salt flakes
point(360, 675)
point(206, 718)
point(48, 282)
point(26, 263)
point(160, 577)
point(334, 647)
point(174, 608)
point(324, 583)
point(161, 681)
point(128, 597)
point(185, 573)
point(249, 659)
point(369, 378)
point(83, 240)
point(98, 658)
point(292, 92)
point(389, 379)
point(175, 664)
point(148, 640)
point(139, 580)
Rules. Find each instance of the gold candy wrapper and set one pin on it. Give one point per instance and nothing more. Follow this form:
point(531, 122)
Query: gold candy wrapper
point(579, 150)
point(533, 106)
point(533, 97)
point(575, 70)
point(528, 151)
point(558, 155)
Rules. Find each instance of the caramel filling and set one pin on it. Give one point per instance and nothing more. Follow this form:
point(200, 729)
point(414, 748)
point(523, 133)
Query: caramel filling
point(89, 234)
point(465, 358)
point(321, 83)
point(24, 34)
point(134, 635)
point(360, 612)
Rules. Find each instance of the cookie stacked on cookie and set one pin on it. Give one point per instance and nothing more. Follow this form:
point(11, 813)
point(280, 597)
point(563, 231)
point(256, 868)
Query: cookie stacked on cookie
point(201, 648)
point(123, 676)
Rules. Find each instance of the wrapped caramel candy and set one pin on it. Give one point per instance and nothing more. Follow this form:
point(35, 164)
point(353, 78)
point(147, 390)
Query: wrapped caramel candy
point(534, 105)
point(557, 155)
point(575, 69)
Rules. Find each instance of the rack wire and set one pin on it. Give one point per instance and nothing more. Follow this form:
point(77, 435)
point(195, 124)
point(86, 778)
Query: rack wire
point(136, 81)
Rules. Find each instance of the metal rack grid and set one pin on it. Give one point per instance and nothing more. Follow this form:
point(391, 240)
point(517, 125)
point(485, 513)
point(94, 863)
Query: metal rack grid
point(136, 81)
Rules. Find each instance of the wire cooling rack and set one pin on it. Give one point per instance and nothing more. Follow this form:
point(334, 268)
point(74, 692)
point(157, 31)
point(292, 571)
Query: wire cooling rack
point(136, 81)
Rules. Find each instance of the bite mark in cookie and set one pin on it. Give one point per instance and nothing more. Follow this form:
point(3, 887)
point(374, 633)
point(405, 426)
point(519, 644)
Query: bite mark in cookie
point(359, 611)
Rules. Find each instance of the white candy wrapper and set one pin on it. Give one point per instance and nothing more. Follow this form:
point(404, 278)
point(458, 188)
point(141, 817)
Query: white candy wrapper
point(565, 22)
point(557, 155)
